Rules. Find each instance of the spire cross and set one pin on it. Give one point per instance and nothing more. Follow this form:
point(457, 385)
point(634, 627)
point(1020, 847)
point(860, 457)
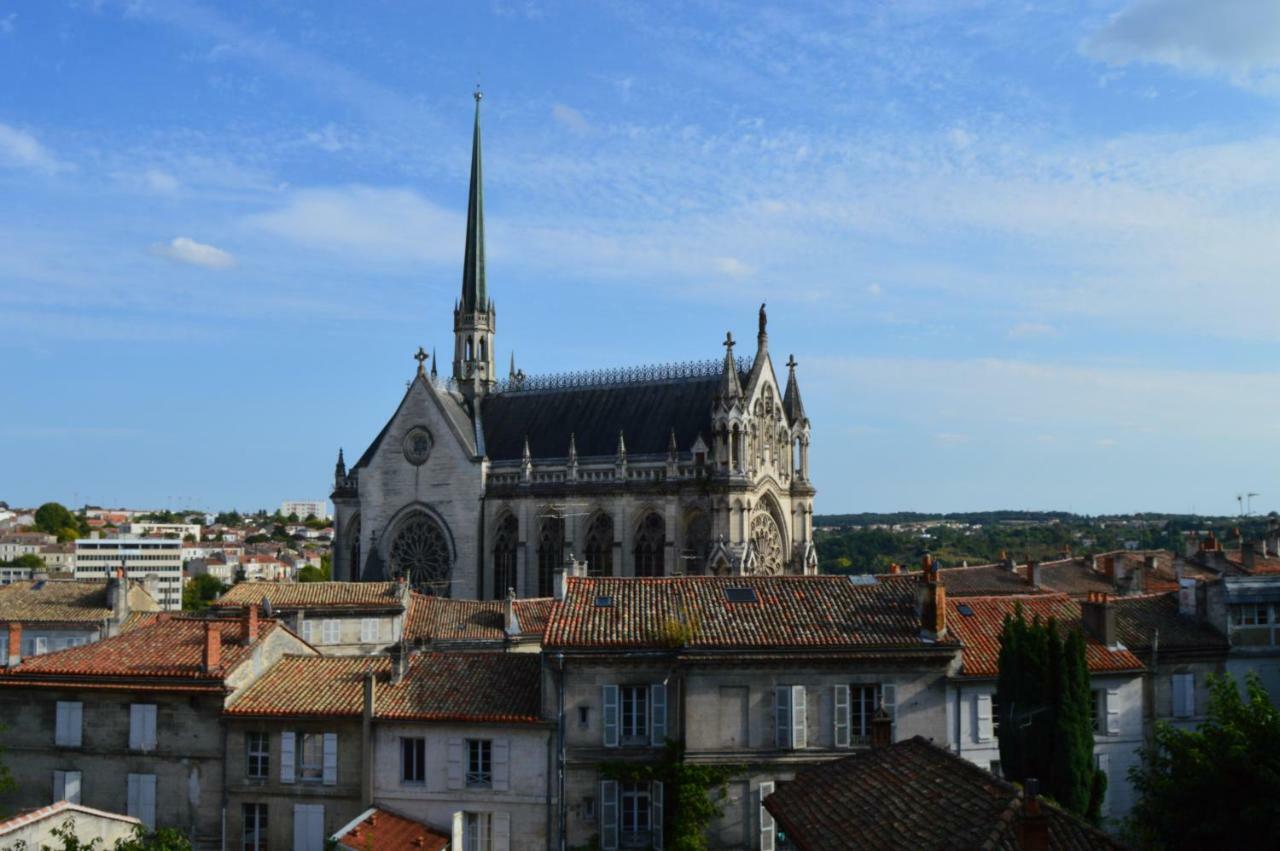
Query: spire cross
point(791, 362)
point(728, 340)
point(421, 358)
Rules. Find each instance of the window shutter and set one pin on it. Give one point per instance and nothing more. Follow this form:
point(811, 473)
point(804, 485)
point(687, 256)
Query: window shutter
point(1184, 695)
point(306, 631)
point(658, 714)
point(59, 786)
point(782, 717)
point(610, 725)
point(330, 759)
point(767, 829)
point(135, 726)
point(71, 787)
point(459, 820)
point(609, 815)
point(982, 705)
point(42, 645)
point(131, 805)
point(286, 757)
point(75, 723)
point(655, 808)
point(889, 700)
point(1104, 765)
point(148, 726)
point(799, 718)
point(1113, 711)
point(840, 715)
point(501, 765)
point(455, 763)
point(368, 630)
point(147, 799)
point(501, 832)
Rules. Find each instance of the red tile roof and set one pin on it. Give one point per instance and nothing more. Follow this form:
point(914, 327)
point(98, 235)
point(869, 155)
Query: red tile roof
point(811, 612)
point(1261, 564)
point(980, 580)
point(445, 619)
point(314, 595)
point(55, 601)
point(386, 831)
point(491, 687)
point(979, 631)
point(62, 809)
point(1140, 619)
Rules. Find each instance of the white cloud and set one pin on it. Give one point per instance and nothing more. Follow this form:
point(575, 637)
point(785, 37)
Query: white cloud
point(22, 150)
point(570, 117)
point(160, 182)
point(330, 138)
point(875, 290)
point(948, 438)
point(733, 267)
point(6, 23)
point(183, 249)
point(1023, 330)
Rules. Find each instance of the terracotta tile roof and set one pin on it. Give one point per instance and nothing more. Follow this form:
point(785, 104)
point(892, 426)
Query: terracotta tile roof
point(916, 795)
point(386, 831)
point(1261, 564)
point(1138, 619)
point(170, 649)
point(441, 619)
point(140, 619)
point(979, 631)
point(290, 596)
point(792, 612)
point(61, 809)
point(437, 687)
point(54, 601)
point(980, 580)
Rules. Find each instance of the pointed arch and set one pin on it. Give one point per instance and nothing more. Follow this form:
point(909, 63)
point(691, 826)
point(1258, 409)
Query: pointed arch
point(550, 553)
point(651, 546)
point(697, 541)
point(505, 542)
point(351, 539)
point(421, 550)
point(599, 546)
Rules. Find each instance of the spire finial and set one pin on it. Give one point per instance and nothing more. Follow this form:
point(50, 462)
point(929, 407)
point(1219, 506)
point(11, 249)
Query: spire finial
point(433, 361)
point(474, 295)
point(764, 319)
point(728, 340)
point(478, 95)
point(421, 358)
point(792, 363)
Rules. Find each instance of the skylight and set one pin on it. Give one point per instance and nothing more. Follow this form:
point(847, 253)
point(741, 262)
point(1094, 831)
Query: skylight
point(604, 602)
point(964, 609)
point(741, 595)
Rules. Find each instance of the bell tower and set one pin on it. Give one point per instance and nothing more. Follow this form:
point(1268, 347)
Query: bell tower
point(474, 316)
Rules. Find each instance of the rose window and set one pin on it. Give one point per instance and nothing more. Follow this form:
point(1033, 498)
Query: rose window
point(767, 541)
point(420, 552)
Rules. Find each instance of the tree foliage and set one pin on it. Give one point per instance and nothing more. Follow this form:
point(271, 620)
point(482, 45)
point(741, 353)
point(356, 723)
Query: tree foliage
point(30, 560)
point(1044, 700)
point(1217, 786)
point(200, 591)
point(163, 839)
point(54, 518)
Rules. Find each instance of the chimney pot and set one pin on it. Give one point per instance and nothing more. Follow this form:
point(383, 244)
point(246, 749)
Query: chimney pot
point(249, 624)
point(15, 644)
point(212, 647)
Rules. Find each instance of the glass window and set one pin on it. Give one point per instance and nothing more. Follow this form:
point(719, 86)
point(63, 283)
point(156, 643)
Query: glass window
point(311, 764)
point(255, 826)
point(257, 754)
point(863, 702)
point(413, 760)
point(635, 712)
point(479, 763)
point(635, 811)
point(332, 631)
point(368, 630)
point(476, 834)
point(1098, 708)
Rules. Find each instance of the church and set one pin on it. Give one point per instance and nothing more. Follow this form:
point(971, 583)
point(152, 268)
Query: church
point(478, 486)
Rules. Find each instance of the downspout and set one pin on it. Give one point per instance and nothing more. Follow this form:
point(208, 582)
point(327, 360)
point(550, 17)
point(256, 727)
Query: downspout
point(959, 695)
point(480, 552)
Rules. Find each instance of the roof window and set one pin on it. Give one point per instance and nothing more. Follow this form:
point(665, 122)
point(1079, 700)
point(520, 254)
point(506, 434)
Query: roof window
point(965, 610)
point(604, 602)
point(741, 595)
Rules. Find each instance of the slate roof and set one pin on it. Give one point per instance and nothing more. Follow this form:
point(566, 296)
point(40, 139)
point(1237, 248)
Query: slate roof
point(1138, 619)
point(55, 601)
point(386, 831)
point(463, 687)
point(916, 795)
point(793, 612)
point(979, 632)
point(169, 649)
point(313, 595)
point(447, 619)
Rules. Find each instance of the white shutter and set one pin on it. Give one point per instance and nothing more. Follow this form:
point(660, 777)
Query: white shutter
point(889, 700)
point(501, 765)
point(501, 832)
point(1104, 765)
point(782, 717)
point(1184, 695)
point(368, 630)
point(308, 827)
point(609, 815)
point(42, 645)
point(840, 715)
point(459, 831)
point(1113, 712)
point(71, 787)
point(149, 727)
point(135, 726)
point(59, 786)
point(306, 631)
point(75, 723)
point(658, 714)
point(455, 764)
point(655, 813)
point(131, 801)
point(286, 757)
point(982, 707)
point(330, 759)
point(610, 700)
point(767, 829)
point(147, 799)
point(799, 718)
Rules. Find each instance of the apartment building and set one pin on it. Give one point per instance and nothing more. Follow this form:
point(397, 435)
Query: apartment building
point(98, 558)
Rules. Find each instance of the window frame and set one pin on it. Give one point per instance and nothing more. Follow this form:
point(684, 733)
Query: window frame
point(635, 800)
point(369, 630)
point(862, 713)
point(413, 761)
point(633, 715)
point(477, 831)
point(303, 767)
point(479, 773)
point(254, 814)
point(257, 754)
point(325, 626)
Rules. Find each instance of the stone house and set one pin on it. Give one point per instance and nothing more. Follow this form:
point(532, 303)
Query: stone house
point(769, 674)
point(43, 615)
point(132, 723)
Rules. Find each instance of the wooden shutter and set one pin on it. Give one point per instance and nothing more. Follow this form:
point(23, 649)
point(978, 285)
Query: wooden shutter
point(308, 827)
point(781, 717)
point(71, 787)
point(1184, 695)
point(840, 715)
point(610, 701)
point(889, 700)
point(657, 714)
point(459, 831)
point(148, 726)
point(982, 707)
point(135, 726)
point(455, 764)
point(609, 815)
point(330, 759)
point(1113, 712)
point(655, 813)
point(501, 765)
point(501, 836)
point(59, 786)
point(286, 756)
point(799, 718)
point(147, 799)
point(767, 829)
point(132, 797)
point(75, 724)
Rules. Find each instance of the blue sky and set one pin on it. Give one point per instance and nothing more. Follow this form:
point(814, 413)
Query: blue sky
point(1025, 254)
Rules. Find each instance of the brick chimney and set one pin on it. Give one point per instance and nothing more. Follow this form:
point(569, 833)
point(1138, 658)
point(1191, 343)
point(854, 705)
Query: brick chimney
point(1098, 617)
point(931, 602)
point(212, 647)
point(1033, 573)
point(895, 569)
point(15, 644)
point(1033, 824)
point(249, 624)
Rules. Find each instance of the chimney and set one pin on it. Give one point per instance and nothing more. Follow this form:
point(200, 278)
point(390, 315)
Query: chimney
point(249, 624)
point(366, 739)
point(931, 602)
point(1191, 545)
point(571, 568)
point(15, 644)
point(1248, 555)
point(881, 729)
point(1109, 566)
point(510, 623)
point(1033, 826)
point(1033, 572)
point(118, 595)
point(1187, 602)
point(399, 662)
point(1099, 618)
point(1005, 561)
point(895, 568)
point(212, 647)
point(151, 584)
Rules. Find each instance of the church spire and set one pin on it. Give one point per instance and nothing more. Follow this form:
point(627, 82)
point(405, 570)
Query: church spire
point(474, 316)
point(791, 399)
point(730, 385)
point(475, 297)
point(339, 469)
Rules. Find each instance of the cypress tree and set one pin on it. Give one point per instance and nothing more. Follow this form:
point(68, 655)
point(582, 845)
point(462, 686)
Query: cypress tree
point(1008, 694)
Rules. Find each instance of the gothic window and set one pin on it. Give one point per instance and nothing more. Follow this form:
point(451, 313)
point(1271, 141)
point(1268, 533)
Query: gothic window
point(697, 541)
point(767, 542)
point(484, 349)
point(600, 546)
point(550, 554)
point(353, 549)
point(420, 552)
point(504, 557)
point(468, 357)
point(651, 544)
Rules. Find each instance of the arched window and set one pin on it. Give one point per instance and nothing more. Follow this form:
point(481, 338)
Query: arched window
point(420, 553)
point(353, 549)
point(550, 554)
point(484, 349)
point(651, 544)
point(600, 546)
point(504, 557)
point(468, 356)
point(697, 541)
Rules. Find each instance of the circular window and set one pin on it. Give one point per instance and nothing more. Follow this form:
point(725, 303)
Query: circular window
point(768, 544)
point(420, 552)
point(417, 446)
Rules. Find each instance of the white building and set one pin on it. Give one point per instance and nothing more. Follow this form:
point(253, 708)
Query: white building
point(162, 530)
point(305, 508)
point(97, 558)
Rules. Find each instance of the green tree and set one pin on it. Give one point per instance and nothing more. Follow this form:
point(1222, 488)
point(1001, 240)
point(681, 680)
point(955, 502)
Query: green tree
point(1216, 786)
point(310, 573)
point(55, 519)
point(692, 793)
point(163, 839)
point(228, 518)
point(200, 591)
point(26, 560)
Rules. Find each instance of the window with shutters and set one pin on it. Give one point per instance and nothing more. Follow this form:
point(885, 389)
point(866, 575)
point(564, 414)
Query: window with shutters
point(142, 726)
point(477, 832)
point(413, 760)
point(141, 798)
point(311, 757)
point(864, 700)
point(255, 827)
point(634, 815)
point(331, 631)
point(790, 717)
point(479, 763)
point(768, 828)
point(66, 786)
point(368, 630)
point(257, 748)
point(67, 725)
point(308, 631)
point(634, 715)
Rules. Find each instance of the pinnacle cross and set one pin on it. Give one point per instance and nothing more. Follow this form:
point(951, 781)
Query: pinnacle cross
point(791, 362)
point(728, 340)
point(421, 358)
